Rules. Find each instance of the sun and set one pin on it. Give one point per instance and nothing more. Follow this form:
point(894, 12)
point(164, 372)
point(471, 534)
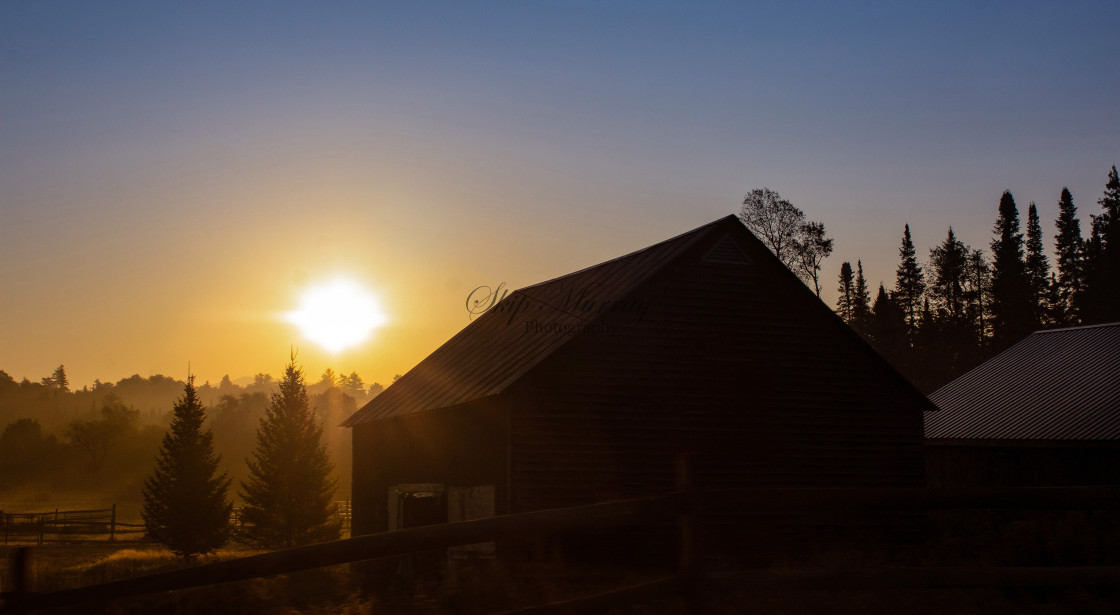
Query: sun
point(337, 314)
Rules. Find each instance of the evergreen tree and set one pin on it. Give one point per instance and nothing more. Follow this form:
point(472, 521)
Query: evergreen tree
point(887, 330)
point(1101, 299)
point(977, 294)
point(861, 302)
point(909, 282)
point(1110, 201)
point(59, 380)
point(1070, 248)
point(948, 277)
point(1012, 314)
point(951, 343)
point(352, 383)
point(288, 494)
point(933, 350)
point(1037, 267)
point(845, 293)
point(185, 505)
point(1055, 309)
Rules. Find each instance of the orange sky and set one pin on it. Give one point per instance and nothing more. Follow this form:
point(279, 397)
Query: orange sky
point(172, 175)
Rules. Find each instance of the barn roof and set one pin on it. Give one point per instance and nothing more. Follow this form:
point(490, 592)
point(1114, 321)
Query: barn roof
point(493, 352)
point(1061, 384)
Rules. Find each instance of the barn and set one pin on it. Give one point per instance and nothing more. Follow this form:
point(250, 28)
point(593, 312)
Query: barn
point(1044, 412)
point(587, 387)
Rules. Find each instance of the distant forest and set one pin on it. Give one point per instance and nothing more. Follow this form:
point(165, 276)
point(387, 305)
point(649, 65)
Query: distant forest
point(104, 438)
point(966, 305)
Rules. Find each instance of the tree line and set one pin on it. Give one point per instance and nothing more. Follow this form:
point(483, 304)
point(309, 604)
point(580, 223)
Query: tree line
point(54, 404)
point(965, 305)
point(102, 439)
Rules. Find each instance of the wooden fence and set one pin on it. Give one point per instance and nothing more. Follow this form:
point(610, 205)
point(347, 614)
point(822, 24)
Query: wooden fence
point(100, 524)
point(685, 505)
point(65, 525)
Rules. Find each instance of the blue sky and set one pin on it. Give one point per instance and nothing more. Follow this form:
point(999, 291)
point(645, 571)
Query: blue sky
point(237, 150)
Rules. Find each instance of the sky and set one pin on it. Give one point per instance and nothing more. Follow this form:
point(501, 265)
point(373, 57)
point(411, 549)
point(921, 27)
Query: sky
point(172, 175)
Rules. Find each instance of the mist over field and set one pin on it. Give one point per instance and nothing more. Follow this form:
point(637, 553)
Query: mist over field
point(94, 446)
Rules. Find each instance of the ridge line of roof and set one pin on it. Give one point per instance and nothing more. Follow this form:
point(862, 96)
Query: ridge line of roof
point(698, 231)
point(696, 234)
point(1077, 328)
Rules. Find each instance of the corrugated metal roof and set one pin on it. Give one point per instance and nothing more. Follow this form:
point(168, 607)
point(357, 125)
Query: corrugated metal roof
point(494, 351)
point(1061, 384)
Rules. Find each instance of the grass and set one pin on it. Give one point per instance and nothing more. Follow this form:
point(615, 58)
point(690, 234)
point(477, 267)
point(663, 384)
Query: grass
point(981, 538)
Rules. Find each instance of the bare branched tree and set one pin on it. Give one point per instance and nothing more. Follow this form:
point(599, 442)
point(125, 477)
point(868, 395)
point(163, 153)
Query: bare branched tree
point(811, 248)
point(775, 221)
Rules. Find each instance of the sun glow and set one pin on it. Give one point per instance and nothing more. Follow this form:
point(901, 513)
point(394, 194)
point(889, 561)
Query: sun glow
point(337, 315)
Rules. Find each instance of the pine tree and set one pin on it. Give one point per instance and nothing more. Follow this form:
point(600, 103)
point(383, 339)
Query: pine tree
point(1037, 268)
point(909, 282)
point(1012, 314)
point(1055, 309)
point(952, 341)
point(1070, 248)
point(887, 330)
point(845, 293)
point(185, 505)
point(933, 350)
point(948, 275)
point(1101, 299)
point(288, 494)
point(977, 292)
point(861, 301)
point(59, 380)
point(1110, 201)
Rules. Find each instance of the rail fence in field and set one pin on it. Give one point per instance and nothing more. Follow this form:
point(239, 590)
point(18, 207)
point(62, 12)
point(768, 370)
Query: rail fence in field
point(65, 525)
point(690, 581)
point(100, 524)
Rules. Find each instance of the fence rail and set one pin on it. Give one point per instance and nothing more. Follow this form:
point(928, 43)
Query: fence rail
point(687, 506)
point(100, 523)
point(64, 525)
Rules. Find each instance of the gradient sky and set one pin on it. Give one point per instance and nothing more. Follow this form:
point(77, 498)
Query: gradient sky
point(172, 175)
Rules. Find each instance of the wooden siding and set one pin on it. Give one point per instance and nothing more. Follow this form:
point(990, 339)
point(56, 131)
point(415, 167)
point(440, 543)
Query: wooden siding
point(733, 360)
point(461, 446)
point(730, 362)
point(1023, 463)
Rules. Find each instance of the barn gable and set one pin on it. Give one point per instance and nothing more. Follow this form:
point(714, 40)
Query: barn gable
point(499, 348)
point(588, 387)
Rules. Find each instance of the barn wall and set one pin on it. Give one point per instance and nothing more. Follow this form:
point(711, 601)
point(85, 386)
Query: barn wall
point(458, 447)
point(1023, 464)
point(728, 362)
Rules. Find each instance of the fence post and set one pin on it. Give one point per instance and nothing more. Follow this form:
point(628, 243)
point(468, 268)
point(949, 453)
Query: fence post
point(23, 573)
point(686, 527)
point(113, 524)
point(4, 520)
point(42, 523)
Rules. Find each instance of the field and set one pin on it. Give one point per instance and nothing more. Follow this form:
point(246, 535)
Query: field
point(981, 538)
